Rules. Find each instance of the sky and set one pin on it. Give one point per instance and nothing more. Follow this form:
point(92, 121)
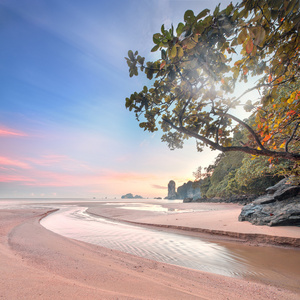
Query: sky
point(64, 129)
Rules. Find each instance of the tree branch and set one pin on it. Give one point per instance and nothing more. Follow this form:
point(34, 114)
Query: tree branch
point(252, 151)
point(292, 136)
point(245, 125)
point(193, 134)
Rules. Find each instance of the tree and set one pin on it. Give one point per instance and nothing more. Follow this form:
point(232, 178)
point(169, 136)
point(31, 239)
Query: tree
point(202, 62)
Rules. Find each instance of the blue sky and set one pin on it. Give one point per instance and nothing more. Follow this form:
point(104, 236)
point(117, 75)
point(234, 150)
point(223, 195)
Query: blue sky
point(64, 129)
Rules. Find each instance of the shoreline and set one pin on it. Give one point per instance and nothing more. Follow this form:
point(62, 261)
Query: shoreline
point(56, 267)
point(221, 222)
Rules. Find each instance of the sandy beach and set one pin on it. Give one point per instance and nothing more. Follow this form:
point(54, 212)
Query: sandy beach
point(219, 220)
point(39, 264)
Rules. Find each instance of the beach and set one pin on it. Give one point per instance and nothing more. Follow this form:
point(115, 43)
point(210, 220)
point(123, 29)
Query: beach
point(39, 264)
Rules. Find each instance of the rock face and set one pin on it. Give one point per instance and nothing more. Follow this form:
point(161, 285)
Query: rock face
point(189, 192)
point(172, 190)
point(280, 207)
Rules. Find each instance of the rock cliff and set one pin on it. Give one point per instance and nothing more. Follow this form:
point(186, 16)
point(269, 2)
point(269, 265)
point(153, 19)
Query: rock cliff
point(188, 191)
point(172, 190)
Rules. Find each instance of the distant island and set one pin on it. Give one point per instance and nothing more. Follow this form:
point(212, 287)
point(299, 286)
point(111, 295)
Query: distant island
point(130, 196)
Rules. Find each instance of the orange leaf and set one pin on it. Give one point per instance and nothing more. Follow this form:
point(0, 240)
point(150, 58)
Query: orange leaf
point(291, 112)
point(245, 70)
point(162, 65)
point(267, 137)
point(249, 46)
point(270, 78)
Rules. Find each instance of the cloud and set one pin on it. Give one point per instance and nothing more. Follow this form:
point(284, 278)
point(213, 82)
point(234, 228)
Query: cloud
point(156, 186)
point(10, 132)
point(15, 178)
point(13, 163)
point(49, 160)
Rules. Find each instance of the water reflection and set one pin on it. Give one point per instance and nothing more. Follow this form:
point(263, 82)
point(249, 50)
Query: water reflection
point(271, 265)
point(152, 207)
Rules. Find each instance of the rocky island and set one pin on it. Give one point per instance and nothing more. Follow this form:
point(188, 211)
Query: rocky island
point(130, 196)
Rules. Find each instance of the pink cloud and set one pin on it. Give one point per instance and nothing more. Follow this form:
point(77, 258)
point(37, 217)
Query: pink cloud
point(48, 160)
point(156, 186)
point(15, 178)
point(13, 163)
point(85, 179)
point(11, 132)
point(63, 162)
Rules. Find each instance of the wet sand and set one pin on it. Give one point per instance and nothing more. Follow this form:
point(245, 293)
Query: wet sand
point(39, 264)
point(219, 220)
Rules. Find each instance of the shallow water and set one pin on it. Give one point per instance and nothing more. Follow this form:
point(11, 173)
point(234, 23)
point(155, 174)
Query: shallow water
point(266, 264)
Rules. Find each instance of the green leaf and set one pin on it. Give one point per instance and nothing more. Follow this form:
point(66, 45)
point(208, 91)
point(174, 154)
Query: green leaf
point(155, 48)
point(199, 28)
point(217, 10)
point(189, 16)
point(229, 9)
point(173, 52)
point(130, 55)
point(156, 38)
point(190, 44)
point(179, 29)
point(163, 54)
point(236, 73)
point(202, 14)
point(141, 60)
point(180, 52)
point(128, 102)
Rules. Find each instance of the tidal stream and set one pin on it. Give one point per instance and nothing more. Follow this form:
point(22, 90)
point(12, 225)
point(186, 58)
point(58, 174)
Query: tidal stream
point(271, 265)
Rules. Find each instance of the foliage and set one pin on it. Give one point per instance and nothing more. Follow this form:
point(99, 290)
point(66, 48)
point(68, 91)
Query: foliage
point(239, 173)
point(201, 63)
point(224, 171)
point(255, 175)
point(204, 185)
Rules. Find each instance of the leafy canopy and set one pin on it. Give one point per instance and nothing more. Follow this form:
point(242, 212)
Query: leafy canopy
point(202, 61)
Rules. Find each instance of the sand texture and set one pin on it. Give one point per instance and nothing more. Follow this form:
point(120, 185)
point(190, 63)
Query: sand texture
point(38, 264)
point(216, 219)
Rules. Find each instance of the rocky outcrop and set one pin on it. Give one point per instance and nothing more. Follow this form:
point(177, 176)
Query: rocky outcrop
point(189, 191)
point(280, 207)
point(172, 195)
point(130, 196)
